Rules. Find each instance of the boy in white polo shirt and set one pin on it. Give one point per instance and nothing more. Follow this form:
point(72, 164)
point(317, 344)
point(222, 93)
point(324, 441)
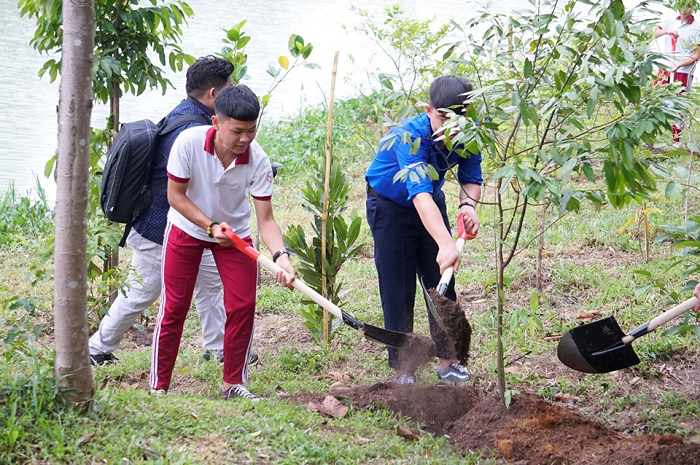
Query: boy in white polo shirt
point(211, 173)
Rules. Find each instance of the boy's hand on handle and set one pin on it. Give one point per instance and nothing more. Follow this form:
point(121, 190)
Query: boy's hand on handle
point(448, 256)
point(696, 293)
point(221, 238)
point(470, 221)
point(285, 277)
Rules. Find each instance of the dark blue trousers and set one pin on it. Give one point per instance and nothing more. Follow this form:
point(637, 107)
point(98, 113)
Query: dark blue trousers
point(403, 251)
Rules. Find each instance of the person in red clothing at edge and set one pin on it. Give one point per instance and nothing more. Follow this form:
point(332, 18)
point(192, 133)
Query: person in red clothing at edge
point(211, 173)
point(683, 44)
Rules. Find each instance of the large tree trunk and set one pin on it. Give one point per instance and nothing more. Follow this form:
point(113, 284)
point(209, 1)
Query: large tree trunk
point(70, 288)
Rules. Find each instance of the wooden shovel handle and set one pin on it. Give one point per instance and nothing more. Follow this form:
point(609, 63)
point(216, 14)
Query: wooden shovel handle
point(661, 319)
point(298, 284)
point(673, 313)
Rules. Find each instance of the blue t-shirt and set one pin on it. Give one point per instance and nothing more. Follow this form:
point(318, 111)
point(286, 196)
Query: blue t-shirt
point(393, 157)
point(152, 223)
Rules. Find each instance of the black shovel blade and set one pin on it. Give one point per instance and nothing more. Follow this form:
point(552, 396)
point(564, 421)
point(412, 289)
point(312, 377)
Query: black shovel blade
point(386, 336)
point(596, 348)
point(380, 335)
point(431, 305)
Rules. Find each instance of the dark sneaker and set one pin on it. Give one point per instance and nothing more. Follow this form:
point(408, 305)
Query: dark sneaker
point(238, 391)
point(159, 392)
point(455, 373)
point(102, 359)
point(404, 379)
point(253, 359)
point(207, 355)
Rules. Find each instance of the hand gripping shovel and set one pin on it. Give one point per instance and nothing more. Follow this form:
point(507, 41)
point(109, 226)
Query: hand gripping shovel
point(602, 347)
point(441, 288)
point(373, 333)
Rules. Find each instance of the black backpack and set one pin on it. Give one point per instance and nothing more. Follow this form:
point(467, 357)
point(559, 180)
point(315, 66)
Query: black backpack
point(125, 193)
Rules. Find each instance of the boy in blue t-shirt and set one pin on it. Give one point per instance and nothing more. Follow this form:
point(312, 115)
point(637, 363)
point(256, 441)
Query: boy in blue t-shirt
point(409, 222)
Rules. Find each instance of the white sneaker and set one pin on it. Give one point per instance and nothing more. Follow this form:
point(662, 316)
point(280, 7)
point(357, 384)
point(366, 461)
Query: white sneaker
point(238, 391)
point(676, 145)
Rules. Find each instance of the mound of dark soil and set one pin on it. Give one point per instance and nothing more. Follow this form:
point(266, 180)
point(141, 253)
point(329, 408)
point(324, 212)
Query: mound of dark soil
point(458, 329)
point(532, 431)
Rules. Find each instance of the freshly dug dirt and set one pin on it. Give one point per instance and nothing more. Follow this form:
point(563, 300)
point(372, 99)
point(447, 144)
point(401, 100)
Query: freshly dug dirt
point(532, 431)
point(458, 329)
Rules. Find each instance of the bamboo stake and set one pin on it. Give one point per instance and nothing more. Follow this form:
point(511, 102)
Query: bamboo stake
point(326, 189)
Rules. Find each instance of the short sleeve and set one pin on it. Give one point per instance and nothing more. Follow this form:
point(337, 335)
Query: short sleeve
point(262, 182)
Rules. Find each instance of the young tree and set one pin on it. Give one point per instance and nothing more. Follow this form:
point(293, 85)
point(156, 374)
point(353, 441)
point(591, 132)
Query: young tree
point(72, 363)
point(565, 99)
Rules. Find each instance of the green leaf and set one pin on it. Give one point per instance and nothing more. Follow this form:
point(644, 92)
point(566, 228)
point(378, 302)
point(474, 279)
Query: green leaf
point(283, 62)
point(672, 189)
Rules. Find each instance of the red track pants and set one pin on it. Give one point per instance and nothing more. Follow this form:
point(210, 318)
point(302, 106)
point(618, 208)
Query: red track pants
point(182, 254)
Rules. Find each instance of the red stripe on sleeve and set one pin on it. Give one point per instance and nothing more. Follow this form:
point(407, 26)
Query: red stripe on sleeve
point(176, 179)
point(267, 197)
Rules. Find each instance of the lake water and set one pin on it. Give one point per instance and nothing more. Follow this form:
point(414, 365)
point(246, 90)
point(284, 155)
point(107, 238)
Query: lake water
point(28, 119)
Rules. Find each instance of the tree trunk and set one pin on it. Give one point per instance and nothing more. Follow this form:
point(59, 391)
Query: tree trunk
point(72, 364)
point(540, 248)
point(500, 270)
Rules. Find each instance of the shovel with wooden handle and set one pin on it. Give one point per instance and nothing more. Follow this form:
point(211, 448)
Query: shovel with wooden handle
point(373, 333)
point(602, 347)
point(441, 288)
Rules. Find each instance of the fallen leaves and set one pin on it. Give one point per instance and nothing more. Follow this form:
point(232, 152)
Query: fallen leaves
point(589, 315)
point(406, 434)
point(336, 375)
point(85, 439)
point(567, 398)
point(330, 406)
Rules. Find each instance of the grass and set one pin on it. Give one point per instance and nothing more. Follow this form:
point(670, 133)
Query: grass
point(589, 265)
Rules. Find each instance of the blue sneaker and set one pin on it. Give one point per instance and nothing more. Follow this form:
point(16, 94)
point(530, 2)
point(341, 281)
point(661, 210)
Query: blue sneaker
point(455, 373)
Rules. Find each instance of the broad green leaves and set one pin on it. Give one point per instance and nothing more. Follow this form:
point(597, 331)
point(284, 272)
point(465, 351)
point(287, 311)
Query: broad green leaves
point(571, 95)
point(125, 33)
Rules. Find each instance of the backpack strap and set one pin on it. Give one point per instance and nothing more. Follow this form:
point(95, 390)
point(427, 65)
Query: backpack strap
point(127, 230)
point(168, 125)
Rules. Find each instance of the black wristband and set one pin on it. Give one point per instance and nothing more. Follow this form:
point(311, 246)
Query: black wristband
point(467, 204)
point(278, 254)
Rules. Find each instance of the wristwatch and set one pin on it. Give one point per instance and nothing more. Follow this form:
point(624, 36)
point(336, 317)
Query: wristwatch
point(278, 254)
point(209, 231)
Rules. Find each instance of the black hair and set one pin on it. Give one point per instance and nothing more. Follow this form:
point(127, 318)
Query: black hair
point(237, 102)
point(448, 91)
point(207, 72)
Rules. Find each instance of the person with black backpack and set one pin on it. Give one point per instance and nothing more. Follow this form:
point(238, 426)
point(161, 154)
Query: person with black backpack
point(205, 78)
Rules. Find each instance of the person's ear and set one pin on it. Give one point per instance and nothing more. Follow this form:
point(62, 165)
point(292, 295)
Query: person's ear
point(215, 122)
point(428, 108)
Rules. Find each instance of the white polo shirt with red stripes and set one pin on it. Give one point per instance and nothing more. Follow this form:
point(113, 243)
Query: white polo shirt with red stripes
point(221, 194)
